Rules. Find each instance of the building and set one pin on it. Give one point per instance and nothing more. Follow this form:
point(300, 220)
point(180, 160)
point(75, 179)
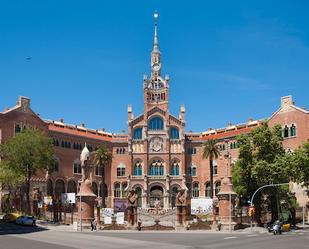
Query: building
point(156, 156)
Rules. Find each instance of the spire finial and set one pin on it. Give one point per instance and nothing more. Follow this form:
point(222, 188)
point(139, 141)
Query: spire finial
point(155, 43)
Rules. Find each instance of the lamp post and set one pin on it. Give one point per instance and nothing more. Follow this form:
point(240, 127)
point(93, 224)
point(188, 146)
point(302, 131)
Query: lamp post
point(228, 157)
point(80, 208)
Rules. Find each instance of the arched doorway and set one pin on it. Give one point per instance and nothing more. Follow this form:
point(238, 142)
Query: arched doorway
point(156, 197)
point(72, 187)
point(50, 187)
point(59, 188)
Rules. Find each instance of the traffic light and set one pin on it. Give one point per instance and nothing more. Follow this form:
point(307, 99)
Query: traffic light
point(251, 211)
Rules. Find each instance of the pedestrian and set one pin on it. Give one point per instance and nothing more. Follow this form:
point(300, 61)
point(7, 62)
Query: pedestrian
point(93, 225)
point(139, 224)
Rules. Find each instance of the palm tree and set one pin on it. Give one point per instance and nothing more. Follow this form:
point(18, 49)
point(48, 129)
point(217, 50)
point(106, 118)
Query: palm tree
point(211, 151)
point(102, 157)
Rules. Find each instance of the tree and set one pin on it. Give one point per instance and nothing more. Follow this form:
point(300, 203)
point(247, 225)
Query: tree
point(262, 160)
point(25, 154)
point(101, 157)
point(211, 151)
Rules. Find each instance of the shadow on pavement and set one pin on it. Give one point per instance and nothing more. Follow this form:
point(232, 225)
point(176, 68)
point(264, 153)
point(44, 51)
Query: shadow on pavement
point(11, 228)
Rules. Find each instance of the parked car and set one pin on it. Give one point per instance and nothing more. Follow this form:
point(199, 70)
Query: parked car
point(10, 217)
point(26, 220)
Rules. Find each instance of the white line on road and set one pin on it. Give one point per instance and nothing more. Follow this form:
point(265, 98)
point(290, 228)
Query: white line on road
point(230, 238)
point(253, 235)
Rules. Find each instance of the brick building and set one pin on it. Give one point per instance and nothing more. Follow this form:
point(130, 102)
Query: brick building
point(156, 156)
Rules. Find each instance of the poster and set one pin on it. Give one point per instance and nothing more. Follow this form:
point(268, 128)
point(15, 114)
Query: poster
point(107, 214)
point(120, 218)
point(120, 205)
point(201, 206)
point(67, 198)
point(48, 200)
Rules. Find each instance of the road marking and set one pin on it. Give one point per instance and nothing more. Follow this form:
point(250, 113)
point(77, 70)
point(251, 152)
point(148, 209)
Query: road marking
point(230, 238)
point(253, 235)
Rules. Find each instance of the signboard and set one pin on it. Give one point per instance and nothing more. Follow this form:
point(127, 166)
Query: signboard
point(201, 206)
point(48, 200)
point(107, 214)
point(120, 218)
point(67, 198)
point(120, 205)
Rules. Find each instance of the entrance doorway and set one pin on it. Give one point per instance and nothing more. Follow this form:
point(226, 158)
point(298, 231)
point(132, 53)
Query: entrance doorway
point(156, 197)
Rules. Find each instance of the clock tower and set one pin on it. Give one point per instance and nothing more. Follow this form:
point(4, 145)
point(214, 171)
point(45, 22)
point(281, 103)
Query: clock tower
point(156, 88)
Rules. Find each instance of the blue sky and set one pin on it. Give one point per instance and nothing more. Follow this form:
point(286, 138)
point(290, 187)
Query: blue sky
point(227, 60)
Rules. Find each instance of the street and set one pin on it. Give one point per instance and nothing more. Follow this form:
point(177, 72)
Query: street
point(37, 238)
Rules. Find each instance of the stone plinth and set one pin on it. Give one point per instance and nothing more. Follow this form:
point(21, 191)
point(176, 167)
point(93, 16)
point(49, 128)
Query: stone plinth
point(226, 204)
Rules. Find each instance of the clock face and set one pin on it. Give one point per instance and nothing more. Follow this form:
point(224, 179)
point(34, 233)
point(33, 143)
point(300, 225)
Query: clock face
point(155, 67)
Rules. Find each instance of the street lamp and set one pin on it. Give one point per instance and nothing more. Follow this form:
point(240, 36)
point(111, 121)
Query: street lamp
point(80, 206)
point(228, 157)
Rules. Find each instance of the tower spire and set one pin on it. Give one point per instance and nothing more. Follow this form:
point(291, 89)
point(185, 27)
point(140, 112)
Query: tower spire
point(155, 41)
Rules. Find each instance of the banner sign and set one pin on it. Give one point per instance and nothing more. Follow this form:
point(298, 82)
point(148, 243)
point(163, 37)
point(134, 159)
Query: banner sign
point(120, 205)
point(67, 198)
point(201, 206)
point(120, 218)
point(107, 214)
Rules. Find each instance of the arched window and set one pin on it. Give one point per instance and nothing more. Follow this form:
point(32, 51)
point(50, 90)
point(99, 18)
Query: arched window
point(174, 133)
point(72, 187)
point(138, 169)
point(156, 168)
point(117, 190)
point(196, 190)
point(156, 123)
point(217, 187)
point(173, 196)
point(55, 164)
point(77, 168)
point(192, 170)
point(121, 170)
point(293, 130)
point(50, 187)
point(175, 169)
point(59, 187)
point(123, 190)
point(286, 131)
point(103, 190)
point(214, 168)
point(138, 134)
point(207, 189)
point(95, 188)
point(138, 191)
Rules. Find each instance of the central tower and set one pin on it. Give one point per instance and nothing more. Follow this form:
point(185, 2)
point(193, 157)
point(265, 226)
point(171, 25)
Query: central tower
point(156, 88)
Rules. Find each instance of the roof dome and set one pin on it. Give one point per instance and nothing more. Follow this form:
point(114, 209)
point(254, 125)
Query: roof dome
point(85, 155)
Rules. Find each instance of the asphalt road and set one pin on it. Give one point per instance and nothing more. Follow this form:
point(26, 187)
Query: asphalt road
point(48, 239)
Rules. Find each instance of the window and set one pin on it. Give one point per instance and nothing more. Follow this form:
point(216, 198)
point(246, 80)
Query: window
point(77, 168)
point(120, 151)
point(138, 190)
point(191, 151)
point(174, 133)
point(156, 123)
point(233, 145)
point(293, 130)
point(138, 134)
point(137, 170)
point(192, 170)
point(55, 164)
point(175, 169)
point(207, 189)
point(121, 170)
point(99, 170)
point(221, 147)
point(214, 168)
point(217, 187)
point(55, 142)
point(17, 128)
point(195, 190)
point(123, 190)
point(286, 131)
point(117, 190)
point(156, 168)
